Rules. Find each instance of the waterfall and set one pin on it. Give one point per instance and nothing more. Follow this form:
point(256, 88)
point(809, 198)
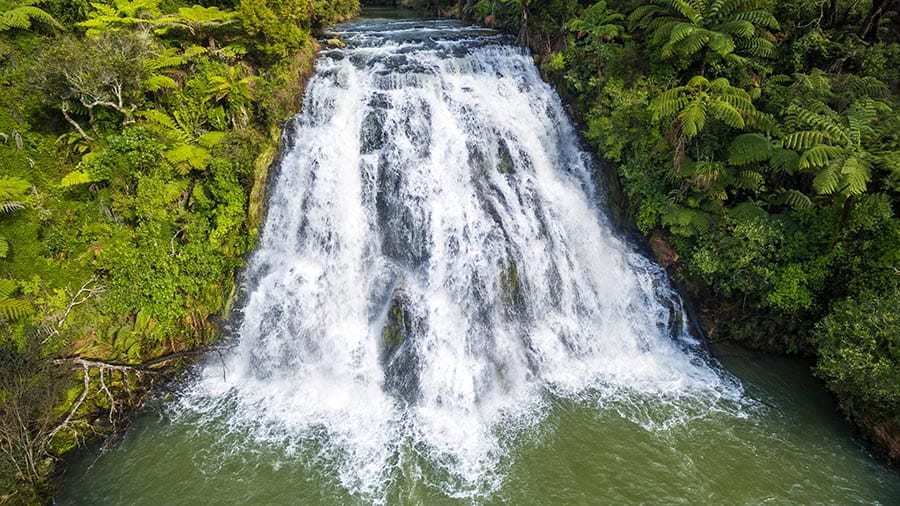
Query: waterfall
point(435, 268)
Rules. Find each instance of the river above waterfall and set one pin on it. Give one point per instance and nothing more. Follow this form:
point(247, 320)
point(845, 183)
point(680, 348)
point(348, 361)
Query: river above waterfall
point(440, 312)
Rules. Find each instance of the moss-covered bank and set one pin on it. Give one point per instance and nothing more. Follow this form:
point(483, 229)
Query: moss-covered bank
point(136, 139)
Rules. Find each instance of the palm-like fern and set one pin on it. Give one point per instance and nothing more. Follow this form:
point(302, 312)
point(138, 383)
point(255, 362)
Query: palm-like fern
point(835, 146)
point(200, 22)
point(190, 149)
point(690, 106)
point(22, 13)
point(733, 30)
point(235, 87)
point(13, 194)
point(754, 152)
point(10, 307)
point(120, 14)
point(598, 24)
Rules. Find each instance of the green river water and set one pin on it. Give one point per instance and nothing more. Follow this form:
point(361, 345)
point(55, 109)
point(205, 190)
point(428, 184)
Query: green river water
point(798, 451)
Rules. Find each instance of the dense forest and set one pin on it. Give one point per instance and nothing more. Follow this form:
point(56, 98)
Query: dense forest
point(135, 138)
point(757, 145)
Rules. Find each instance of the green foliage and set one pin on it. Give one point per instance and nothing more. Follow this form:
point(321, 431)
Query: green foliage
point(196, 22)
point(859, 354)
point(106, 72)
point(21, 14)
point(126, 14)
point(597, 24)
point(275, 25)
point(781, 201)
point(692, 103)
point(13, 196)
point(720, 32)
point(836, 147)
point(10, 307)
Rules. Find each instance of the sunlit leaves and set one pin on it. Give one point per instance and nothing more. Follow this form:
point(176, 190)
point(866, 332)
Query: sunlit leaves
point(21, 14)
point(120, 14)
point(699, 98)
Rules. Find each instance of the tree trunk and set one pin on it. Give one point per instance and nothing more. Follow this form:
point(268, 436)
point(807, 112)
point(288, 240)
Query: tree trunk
point(830, 13)
point(75, 124)
point(869, 28)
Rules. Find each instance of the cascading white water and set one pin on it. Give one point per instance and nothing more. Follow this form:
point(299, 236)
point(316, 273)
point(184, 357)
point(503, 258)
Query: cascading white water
point(435, 266)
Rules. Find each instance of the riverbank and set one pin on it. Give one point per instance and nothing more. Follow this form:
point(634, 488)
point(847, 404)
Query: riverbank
point(137, 142)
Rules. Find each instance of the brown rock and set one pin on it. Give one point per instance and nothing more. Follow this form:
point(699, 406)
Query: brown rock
point(665, 254)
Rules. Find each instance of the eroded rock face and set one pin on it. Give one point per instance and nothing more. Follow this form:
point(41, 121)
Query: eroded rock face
point(665, 254)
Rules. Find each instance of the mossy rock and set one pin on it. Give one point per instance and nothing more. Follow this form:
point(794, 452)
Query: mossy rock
point(397, 326)
point(509, 282)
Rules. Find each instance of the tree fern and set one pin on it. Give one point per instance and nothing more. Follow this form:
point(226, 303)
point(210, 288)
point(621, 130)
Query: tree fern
point(749, 148)
point(196, 20)
point(732, 30)
point(112, 14)
point(188, 151)
point(792, 198)
point(749, 180)
point(13, 195)
point(835, 146)
point(692, 103)
point(23, 14)
point(10, 307)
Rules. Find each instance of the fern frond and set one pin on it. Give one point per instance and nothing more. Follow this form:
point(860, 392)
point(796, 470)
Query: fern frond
point(856, 172)
point(793, 198)
point(803, 139)
point(824, 122)
point(13, 188)
point(726, 113)
point(160, 82)
point(76, 177)
point(743, 29)
point(10, 206)
point(819, 155)
point(865, 87)
point(749, 180)
point(749, 148)
point(7, 288)
point(721, 43)
point(186, 156)
point(784, 161)
point(758, 17)
point(692, 119)
point(14, 309)
point(210, 139)
point(828, 179)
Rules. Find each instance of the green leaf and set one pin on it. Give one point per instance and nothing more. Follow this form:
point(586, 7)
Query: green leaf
point(210, 139)
point(76, 177)
point(749, 148)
